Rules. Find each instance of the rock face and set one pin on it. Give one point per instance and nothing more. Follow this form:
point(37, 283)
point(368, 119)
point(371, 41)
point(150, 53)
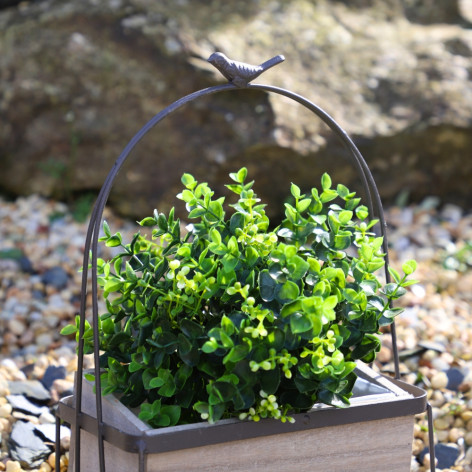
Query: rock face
point(78, 79)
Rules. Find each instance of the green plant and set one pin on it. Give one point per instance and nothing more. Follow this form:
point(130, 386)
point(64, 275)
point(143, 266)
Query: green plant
point(236, 319)
point(459, 258)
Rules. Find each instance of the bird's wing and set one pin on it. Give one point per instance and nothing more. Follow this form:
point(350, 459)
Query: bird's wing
point(246, 70)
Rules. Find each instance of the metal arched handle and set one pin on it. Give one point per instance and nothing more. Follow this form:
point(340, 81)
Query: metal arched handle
point(93, 230)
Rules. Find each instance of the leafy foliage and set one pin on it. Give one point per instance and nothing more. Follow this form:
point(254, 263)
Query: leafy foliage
point(235, 319)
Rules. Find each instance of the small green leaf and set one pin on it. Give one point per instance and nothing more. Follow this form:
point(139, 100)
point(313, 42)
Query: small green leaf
point(114, 241)
point(216, 212)
point(303, 205)
point(130, 274)
point(342, 240)
point(409, 267)
point(237, 353)
point(227, 325)
point(226, 340)
point(326, 181)
point(237, 189)
point(328, 195)
point(215, 236)
point(407, 283)
point(295, 190)
point(134, 366)
point(362, 212)
point(287, 292)
point(330, 302)
point(106, 229)
point(241, 175)
point(392, 312)
point(394, 274)
point(297, 267)
point(172, 412)
point(113, 285)
point(345, 216)
point(210, 346)
point(69, 329)
point(187, 196)
point(342, 190)
point(149, 221)
point(375, 265)
point(197, 213)
point(293, 307)
point(352, 204)
point(229, 262)
point(189, 181)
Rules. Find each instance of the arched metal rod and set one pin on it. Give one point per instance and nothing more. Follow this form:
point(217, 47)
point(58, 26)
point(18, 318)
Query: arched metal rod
point(97, 213)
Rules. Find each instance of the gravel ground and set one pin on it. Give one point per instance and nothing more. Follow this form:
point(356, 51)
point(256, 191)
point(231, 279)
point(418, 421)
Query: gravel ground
point(41, 249)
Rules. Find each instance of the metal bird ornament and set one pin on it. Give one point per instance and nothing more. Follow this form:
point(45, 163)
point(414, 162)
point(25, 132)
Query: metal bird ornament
point(240, 73)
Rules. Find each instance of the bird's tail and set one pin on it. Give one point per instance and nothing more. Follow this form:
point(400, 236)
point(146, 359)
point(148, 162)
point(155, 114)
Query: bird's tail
point(272, 62)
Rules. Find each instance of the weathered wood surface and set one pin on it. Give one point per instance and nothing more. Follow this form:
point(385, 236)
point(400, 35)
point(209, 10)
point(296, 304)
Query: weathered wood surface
point(363, 446)
point(371, 446)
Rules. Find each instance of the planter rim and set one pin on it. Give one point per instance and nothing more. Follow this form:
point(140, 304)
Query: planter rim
point(402, 400)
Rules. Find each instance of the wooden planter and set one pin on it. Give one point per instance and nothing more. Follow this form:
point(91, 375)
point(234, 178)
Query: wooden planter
point(374, 433)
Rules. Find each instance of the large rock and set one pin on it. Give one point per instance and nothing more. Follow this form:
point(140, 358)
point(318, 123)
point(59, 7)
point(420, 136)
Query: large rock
point(78, 79)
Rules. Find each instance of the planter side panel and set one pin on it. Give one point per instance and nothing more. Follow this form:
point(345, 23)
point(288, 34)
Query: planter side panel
point(362, 447)
point(116, 460)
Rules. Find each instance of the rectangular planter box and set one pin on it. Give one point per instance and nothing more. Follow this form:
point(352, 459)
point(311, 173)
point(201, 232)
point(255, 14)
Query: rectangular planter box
point(374, 433)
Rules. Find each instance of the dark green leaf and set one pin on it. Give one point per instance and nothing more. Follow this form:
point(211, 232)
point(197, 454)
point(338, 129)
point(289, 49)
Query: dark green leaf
point(300, 323)
point(237, 353)
point(270, 381)
point(191, 329)
point(267, 286)
point(172, 412)
point(185, 345)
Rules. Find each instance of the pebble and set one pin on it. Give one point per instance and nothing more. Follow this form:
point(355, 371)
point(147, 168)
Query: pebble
point(32, 389)
point(63, 387)
point(21, 403)
point(5, 410)
point(439, 380)
point(26, 446)
point(55, 276)
point(468, 438)
point(455, 378)
point(47, 418)
point(434, 333)
point(13, 466)
point(51, 374)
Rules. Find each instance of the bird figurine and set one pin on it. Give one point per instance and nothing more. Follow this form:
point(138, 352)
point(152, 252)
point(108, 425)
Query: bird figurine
point(240, 73)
